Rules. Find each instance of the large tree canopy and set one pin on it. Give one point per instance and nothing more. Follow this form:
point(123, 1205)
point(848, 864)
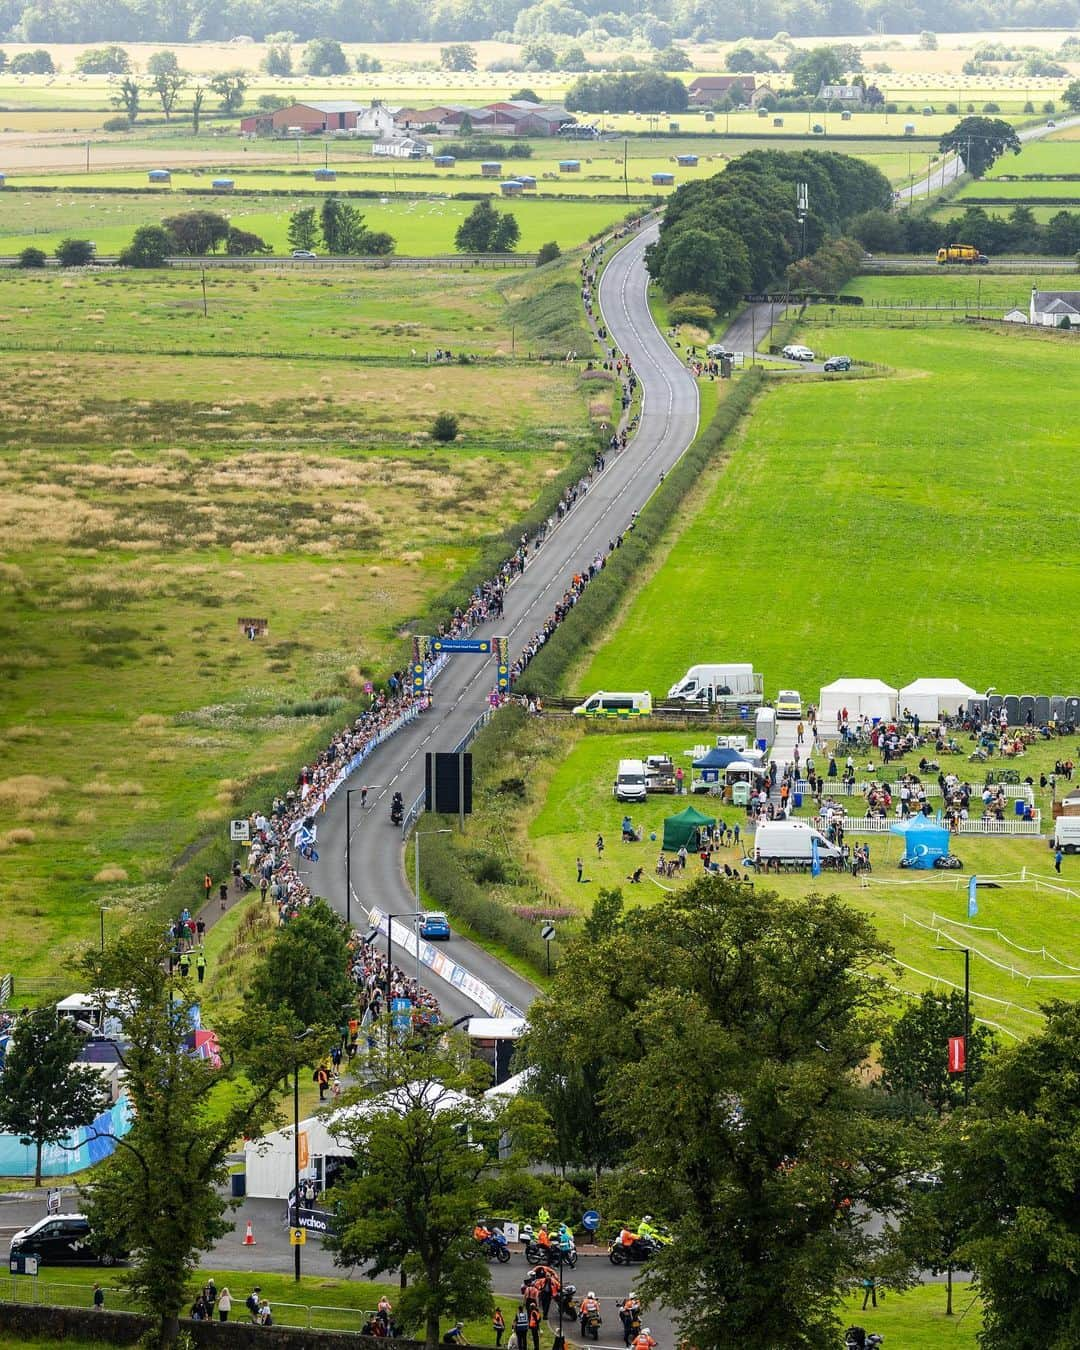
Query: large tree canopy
point(979, 141)
point(1016, 1155)
point(728, 1025)
point(753, 202)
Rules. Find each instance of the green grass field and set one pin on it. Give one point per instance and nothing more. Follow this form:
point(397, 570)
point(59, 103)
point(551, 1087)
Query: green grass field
point(1028, 191)
point(420, 228)
point(148, 500)
point(329, 1303)
point(1049, 155)
point(916, 507)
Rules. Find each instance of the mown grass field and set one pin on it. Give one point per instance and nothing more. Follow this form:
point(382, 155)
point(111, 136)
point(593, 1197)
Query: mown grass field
point(1052, 154)
point(148, 501)
point(1030, 190)
point(420, 227)
point(577, 805)
point(893, 527)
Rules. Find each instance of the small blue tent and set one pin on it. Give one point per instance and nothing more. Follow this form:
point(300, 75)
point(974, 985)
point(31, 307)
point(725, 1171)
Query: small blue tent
point(924, 841)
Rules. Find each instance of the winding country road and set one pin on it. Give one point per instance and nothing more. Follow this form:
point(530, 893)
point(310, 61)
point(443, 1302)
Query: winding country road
point(668, 423)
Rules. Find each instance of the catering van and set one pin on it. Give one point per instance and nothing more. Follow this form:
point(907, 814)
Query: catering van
point(615, 705)
point(630, 784)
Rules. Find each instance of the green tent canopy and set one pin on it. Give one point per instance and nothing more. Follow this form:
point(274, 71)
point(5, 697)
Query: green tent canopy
point(682, 830)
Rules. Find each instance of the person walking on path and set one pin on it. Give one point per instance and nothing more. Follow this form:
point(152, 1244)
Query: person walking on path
point(99, 1298)
point(208, 886)
point(799, 734)
point(223, 895)
point(600, 847)
point(580, 870)
point(1058, 856)
point(200, 965)
point(224, 1304)
point(498, 1326)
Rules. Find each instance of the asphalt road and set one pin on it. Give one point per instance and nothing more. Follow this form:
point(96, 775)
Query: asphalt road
point(944, 174)
point(667, 425)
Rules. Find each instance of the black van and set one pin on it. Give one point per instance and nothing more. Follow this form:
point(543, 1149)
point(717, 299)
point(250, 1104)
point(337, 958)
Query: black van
point(62, 1240)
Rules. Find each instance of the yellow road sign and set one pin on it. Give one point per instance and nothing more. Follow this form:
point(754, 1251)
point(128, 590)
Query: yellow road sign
point(297, 1236)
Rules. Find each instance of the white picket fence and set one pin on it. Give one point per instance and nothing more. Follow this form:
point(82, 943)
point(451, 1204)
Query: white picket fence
point(1009, 826)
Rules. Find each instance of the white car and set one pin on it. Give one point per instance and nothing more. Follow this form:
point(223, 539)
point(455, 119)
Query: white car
point(303, 253)
point(797, 352)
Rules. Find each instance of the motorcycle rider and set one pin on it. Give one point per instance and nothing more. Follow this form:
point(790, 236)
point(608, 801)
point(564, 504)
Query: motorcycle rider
point(630, 1317)
point(482, 1233)
point(565, 1239)
point(644, 1340)
point(645, 1228)
point(627, 1240)
point(589, 1305)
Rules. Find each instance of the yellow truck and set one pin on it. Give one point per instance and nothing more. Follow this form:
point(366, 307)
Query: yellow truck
point(967, 254)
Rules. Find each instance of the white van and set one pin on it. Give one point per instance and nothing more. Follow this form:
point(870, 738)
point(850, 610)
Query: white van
point(707, 683)
point(615, 705)
point(790, 841)
point(630, 785)
point(1066, 834)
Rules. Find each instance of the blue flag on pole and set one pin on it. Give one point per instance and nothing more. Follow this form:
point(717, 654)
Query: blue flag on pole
point(815, 860)
point(973, 903)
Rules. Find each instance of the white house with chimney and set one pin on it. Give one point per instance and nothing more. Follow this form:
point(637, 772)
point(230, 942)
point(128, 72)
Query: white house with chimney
point(1052, 308)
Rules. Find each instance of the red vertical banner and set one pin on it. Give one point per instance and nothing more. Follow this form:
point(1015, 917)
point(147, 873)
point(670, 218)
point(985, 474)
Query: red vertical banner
point(957, 1054)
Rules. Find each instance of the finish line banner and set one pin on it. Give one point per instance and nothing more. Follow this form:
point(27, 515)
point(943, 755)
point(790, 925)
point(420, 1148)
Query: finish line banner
point(444, 967)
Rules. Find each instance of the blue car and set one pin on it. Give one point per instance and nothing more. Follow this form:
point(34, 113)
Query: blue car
point(434, 926)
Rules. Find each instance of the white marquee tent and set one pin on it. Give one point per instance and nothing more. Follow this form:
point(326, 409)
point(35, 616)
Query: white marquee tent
point(862, 698)
point(268, 1161)
point(928, 699)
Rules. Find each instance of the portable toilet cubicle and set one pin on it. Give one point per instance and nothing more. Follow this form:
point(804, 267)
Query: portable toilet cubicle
point(663, 179)
point(511, 188)
point(159, 176)
point(569, 165)
point(686, 161)
point(223, 185)
point(325, 175)
point(444, 161)
point(765, 728)
point(490, 169)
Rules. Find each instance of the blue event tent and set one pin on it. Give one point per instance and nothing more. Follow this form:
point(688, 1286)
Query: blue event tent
point(924, 840)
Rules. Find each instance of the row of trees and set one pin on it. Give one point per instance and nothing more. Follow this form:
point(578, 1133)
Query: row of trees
point(454, 20)
point(738, 231)
point(165, 81)
point(645, 91)
point(1017, 232)
point(339, 228)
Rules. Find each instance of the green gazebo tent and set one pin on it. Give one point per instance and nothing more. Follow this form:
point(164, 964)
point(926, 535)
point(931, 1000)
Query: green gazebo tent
point(682, 830)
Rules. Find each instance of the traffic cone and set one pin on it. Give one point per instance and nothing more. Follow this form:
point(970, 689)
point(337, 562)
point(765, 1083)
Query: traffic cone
point(249, 1237)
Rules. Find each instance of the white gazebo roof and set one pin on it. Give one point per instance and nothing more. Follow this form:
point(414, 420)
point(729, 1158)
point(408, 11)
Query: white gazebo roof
point(850, 686)
point(938, 689)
